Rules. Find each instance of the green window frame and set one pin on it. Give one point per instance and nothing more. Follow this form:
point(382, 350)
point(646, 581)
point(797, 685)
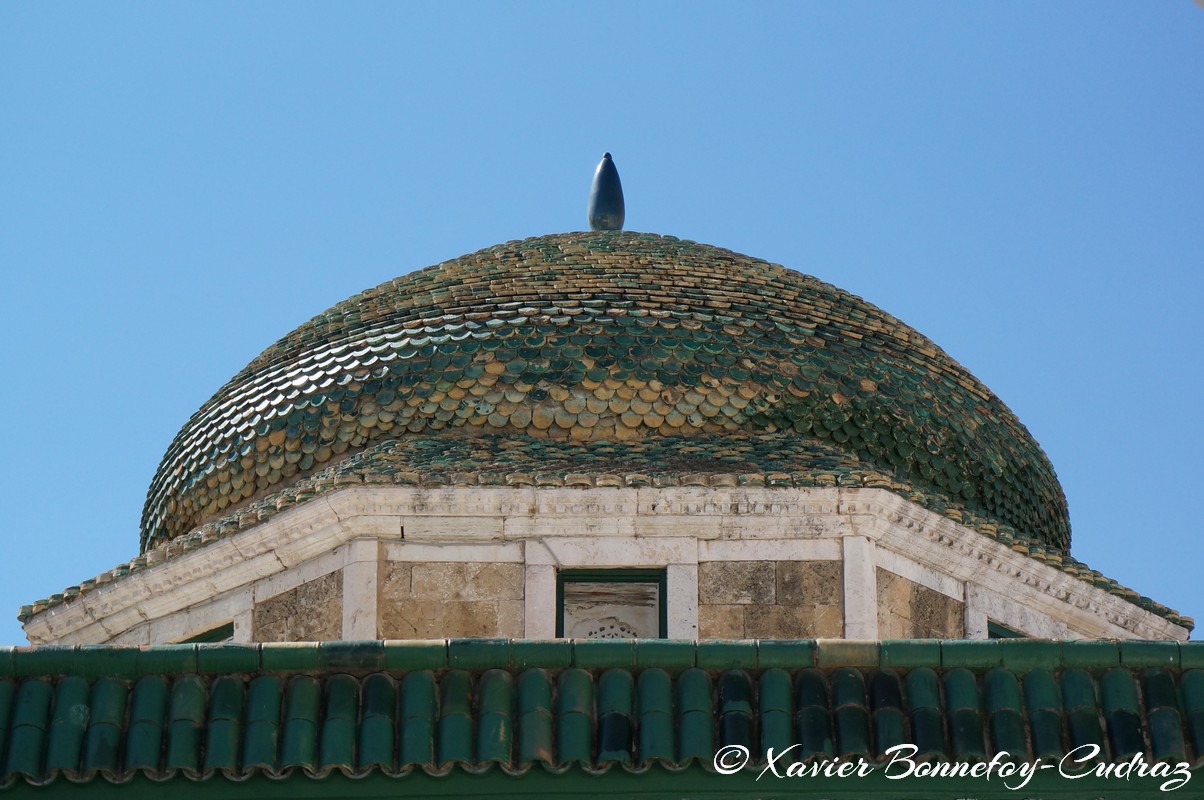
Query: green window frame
point(659, 576)
point(996, 630)
point(219, 634)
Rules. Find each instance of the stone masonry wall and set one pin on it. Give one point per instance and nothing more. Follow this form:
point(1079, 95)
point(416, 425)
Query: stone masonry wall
point(312, 612)
point(436, 600)
point(907, 610)
point(770, 600)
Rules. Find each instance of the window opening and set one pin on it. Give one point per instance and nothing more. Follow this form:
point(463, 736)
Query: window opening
point(997, 631)
point(611, 604)
point(222, 633)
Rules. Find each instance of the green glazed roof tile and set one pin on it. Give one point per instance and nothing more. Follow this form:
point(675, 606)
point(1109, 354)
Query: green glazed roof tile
point(535, 715)
point(416, 654)
point(1149, 654)
point(601, 653)
point(776, 709)
point(224, 724)
point(1092, 654)
point(67, 725)
point(848, 652)
point(109, 661)
point(887, 714)
point(477, 653)
point(574, 716)
point(106, 724)
point(44, 660)
point(351, 656)
point(982, 655)
point(1121, 708)
point(419, 694)
point(336, 744)
point(719, 654)
point(785, 653)
point(302, 710)
point(160, 659)
point(227, 657)
point(144, 734)
point(1191, 655)
point(545, 653)
point(378, 722)
point(1025, 654)
point(695, 716)
point(1005, 713)
point(670, 654)
point(262, 733)
point(396, 721)
point(290, 656)
point(813, 719)
point(657, 732)
point(1044, 706)
point(1080, 705)
point(901, 653)
point(186, 723)
point(27, 732)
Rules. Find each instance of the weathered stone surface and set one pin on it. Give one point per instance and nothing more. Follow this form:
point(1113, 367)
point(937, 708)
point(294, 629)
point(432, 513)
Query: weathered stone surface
point(467, 581)
point(827, 622)
point(511, 618)
point(908, 610)
point(770, 600)
point(420, 619)
point(809, 583)
point(776, 622)
point(437, 600)
point(720, 621)
point(738, 582)
point(312, 612)
point(395, 577)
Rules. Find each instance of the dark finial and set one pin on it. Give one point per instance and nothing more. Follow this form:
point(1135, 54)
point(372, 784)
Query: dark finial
point(606, 198)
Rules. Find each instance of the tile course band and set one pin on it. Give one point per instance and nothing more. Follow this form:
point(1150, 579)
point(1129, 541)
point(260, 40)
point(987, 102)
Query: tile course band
point(478, 705)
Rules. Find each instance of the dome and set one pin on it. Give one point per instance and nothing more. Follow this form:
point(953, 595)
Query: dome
point(639, 356)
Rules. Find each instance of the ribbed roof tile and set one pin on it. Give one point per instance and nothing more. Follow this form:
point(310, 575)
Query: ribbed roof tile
point(397, 709)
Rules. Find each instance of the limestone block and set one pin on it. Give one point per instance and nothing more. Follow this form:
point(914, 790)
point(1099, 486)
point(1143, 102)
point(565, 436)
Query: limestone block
point(739, 582)
point(450, 529)
point(827, 622)
point(935, 615)
point(908, 610)
point(431, 619)
point(720, 621)
point(511, 619)
point(467, 581)
point(809, 583)
point(312, 612)
point(395, 581)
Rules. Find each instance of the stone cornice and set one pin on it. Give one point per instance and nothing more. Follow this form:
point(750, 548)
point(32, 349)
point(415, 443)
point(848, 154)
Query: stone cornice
point(414, 514)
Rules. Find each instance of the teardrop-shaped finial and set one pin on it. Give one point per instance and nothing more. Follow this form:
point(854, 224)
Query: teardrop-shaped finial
point(606, 198)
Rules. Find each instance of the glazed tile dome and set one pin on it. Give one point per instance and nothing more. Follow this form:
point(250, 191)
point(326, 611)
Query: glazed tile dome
point(618, 354)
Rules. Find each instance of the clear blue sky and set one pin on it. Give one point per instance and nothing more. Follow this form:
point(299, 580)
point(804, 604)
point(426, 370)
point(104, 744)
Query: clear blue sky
point(183, 183)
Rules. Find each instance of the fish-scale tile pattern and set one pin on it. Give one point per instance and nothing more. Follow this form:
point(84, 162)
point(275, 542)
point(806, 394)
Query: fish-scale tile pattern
point(400, 708)
point(608, 337)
